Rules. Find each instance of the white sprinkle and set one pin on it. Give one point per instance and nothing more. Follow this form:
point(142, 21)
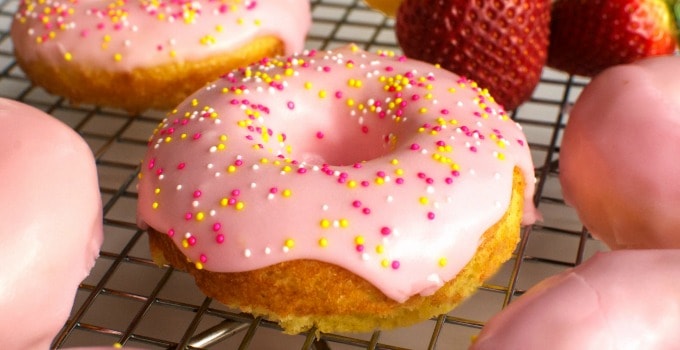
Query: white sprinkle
point(324, 207)
point(179, 187)
point(194, 204)
point(390, 199)
point(247, 253)
point(267, 251)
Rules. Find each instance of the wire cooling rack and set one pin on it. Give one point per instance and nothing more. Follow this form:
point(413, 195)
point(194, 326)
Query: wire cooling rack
point(129, 300)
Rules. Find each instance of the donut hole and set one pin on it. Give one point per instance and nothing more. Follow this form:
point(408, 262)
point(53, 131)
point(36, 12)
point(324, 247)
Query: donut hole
point(343, 145)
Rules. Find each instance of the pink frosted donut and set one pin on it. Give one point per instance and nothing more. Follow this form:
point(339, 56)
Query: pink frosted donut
point(139, 54)
point(627, 299)
point(618, 162)
point(51, 232)
point(389, 168)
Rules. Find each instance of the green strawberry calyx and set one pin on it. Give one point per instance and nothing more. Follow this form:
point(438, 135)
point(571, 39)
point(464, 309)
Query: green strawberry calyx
point(674, 8)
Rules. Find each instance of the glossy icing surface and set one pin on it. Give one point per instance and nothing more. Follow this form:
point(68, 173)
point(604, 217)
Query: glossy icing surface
point(121, 35)
point(50, 209)
point(618, 158)
point(627, 299)
point(390, 168)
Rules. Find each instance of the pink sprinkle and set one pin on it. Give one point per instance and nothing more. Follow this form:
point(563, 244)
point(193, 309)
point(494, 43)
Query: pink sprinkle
point(171, 232)
point(302, 171)
point(366, 211)
point(395, 265)
point(319, 135)
point(219, 238)
point(236, 193)
point(385, 231)
point(400, 180)
point(291, 105)
point(357, 165)
point(415, 146)
point(365, 183)
point(448, 180)
point(203, 258)
point(356, 204)
point(181, 166)
point(217, 226)
point(473, 148)
point(273, 190)
point(338, 94)
point(197, 193)
point(364, 129)
point(192, 241)
point(430, 215)
point(360, 248)
point(188, 216)
point(381, 174)
point(197, 136)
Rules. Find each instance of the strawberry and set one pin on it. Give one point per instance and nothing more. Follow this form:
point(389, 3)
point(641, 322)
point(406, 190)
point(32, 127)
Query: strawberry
point(588, 36)
point(501, 44)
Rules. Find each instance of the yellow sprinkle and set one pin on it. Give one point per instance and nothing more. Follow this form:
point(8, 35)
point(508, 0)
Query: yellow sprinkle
point(423, 200)
point(289, 243)
point(289, 71)
point(224, 202)
point(325, 223)
point(399, 172)
point(68, 56)
point(167, 139)
point(257, 22)
point(344, 223)
point(323, 242)
point(157, 190)
point(422, 110)
point(351, 184)
point(200, 216)
point(323, 94)
point(308, 85)
point(185, 243)
point(379, 180)
point(199, 266)
point(380, 249)
point(359, 240)
point(286, 193)
point(500, 156)
point(221, 147)
point(219, 28)
point(231, 168)
point(385, 263)
point(240, 206)
point(394, 161)
point(154, 205)
point(194, 102)
point(350, 102)
point(118, 57)
point(442, 262)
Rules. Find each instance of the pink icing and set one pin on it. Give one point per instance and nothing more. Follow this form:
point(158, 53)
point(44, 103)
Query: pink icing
point(388, 167)
point(121, 35)
point(51, 232)
point(618, 161)
point(627, 299)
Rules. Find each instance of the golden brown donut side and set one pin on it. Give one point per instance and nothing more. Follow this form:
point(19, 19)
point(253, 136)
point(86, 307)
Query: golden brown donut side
point(305, 293)
point(162, 87)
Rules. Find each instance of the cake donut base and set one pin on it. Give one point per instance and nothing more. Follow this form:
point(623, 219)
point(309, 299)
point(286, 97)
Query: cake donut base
point(302, 294)
point(161, 87)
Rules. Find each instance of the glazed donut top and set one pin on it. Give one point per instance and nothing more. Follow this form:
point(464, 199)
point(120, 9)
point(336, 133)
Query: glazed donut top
point(618, 161)
point(51, 232)
point(626, 299)
point(125, 34)
point(390, 168)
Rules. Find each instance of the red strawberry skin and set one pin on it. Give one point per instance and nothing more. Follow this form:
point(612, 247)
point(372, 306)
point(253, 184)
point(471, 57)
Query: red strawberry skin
point(500, 44)
point(588, 36)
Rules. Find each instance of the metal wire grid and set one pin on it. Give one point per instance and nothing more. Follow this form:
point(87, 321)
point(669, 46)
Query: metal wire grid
point(128, 300)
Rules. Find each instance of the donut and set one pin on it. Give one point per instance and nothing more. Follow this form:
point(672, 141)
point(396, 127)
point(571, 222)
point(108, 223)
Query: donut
point(141, 54)
point(624, 299)
point(343, 190)
point(617, 160)
point(51, 214)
